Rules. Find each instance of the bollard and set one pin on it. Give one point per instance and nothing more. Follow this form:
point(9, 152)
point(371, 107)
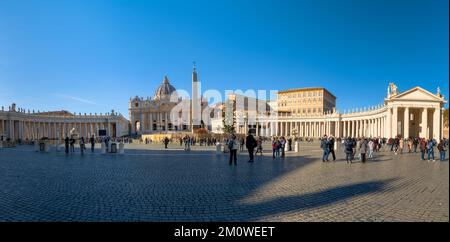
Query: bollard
point(121, 148)
point(297, 147)
point(103, 148)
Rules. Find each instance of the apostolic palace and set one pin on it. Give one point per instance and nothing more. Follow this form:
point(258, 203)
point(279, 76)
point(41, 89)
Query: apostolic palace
point(301, 112)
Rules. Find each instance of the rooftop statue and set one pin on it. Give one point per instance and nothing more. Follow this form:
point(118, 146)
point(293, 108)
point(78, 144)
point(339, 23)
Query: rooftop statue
point(392, 89)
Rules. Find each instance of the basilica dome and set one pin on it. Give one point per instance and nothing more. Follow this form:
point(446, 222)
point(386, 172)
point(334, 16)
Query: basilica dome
point(165, 90)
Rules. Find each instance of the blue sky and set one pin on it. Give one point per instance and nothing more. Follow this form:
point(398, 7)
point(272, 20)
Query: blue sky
point(92, 56)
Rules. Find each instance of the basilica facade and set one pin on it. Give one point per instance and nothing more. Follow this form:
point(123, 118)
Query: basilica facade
point(157, 115)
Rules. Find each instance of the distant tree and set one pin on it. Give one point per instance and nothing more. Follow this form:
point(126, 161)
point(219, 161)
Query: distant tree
point(228, 125)
point(229, 120)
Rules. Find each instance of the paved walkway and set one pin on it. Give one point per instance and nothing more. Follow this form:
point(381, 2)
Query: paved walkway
point(150, 184)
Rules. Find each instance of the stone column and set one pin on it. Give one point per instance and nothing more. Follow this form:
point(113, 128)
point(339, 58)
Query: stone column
point(436, 123)
point(338, 127)
point(406, 122)
point(424, 124)
point(357, 129)
point(344, 128)
point(151, 121)
point(441, 127)
point(388, 124)
point(394, 122)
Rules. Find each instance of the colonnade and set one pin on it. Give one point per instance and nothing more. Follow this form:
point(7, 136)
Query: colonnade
point(387, 122)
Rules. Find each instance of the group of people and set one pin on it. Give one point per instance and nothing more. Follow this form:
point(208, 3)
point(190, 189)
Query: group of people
point(253, 145)
point(365, 147)
point(327, 145)
point(279, 147)
point(69, 143)
point(426, 146)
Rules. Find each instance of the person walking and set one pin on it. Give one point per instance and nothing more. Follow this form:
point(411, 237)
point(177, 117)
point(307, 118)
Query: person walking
point(92, 141)
point(72, 144)
point(401, 144)
point(283, 146)
point(423, 148)
point(442, 149)
point(289, 144)
point(274, 147)
point(331, 142)
point(259, 148)
point(363, 150)
point(349, 145)
point(166, 142)
point(66, 144)
point(415, 144)
point(241, 144)
point(410, 144)
point(233, 147)
point(430, 146)
point(324, 146)
point(371, 148)
point(250, 143)
point(82, 145)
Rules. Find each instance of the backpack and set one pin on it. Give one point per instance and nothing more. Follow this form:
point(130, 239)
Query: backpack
point(230, 144)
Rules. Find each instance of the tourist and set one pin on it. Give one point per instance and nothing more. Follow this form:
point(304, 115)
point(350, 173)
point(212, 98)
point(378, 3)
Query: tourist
point(349, 152)
point(289, 144)
point(282, 146)
point(363, 149)
point(442, 149)
point(259, 147)
point(241, 144)
point(415, 144)
point(410, 144)
point(430, 147)
point(92, 141)
point(331, 143)
point(423, 148)
point(324, 145)
point(72, 144)
point(233, 147)
point(392, 143)
point(82, 145)
point(66, 143)
point(275, 148)
point(401, 144)
point(166, 142)
point(250, 144)
point(371, 145)
point(395, 144)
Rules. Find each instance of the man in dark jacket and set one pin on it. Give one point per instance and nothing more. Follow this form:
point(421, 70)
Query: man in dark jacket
point(166, 142)
point(331, 147)
point(250, 143)
point(92, 141)
point(349, 145)
point(66, 143)
point(324, 146)
point(415, 144)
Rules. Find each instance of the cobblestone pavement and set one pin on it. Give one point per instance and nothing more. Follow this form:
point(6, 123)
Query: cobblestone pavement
point(173, 185)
